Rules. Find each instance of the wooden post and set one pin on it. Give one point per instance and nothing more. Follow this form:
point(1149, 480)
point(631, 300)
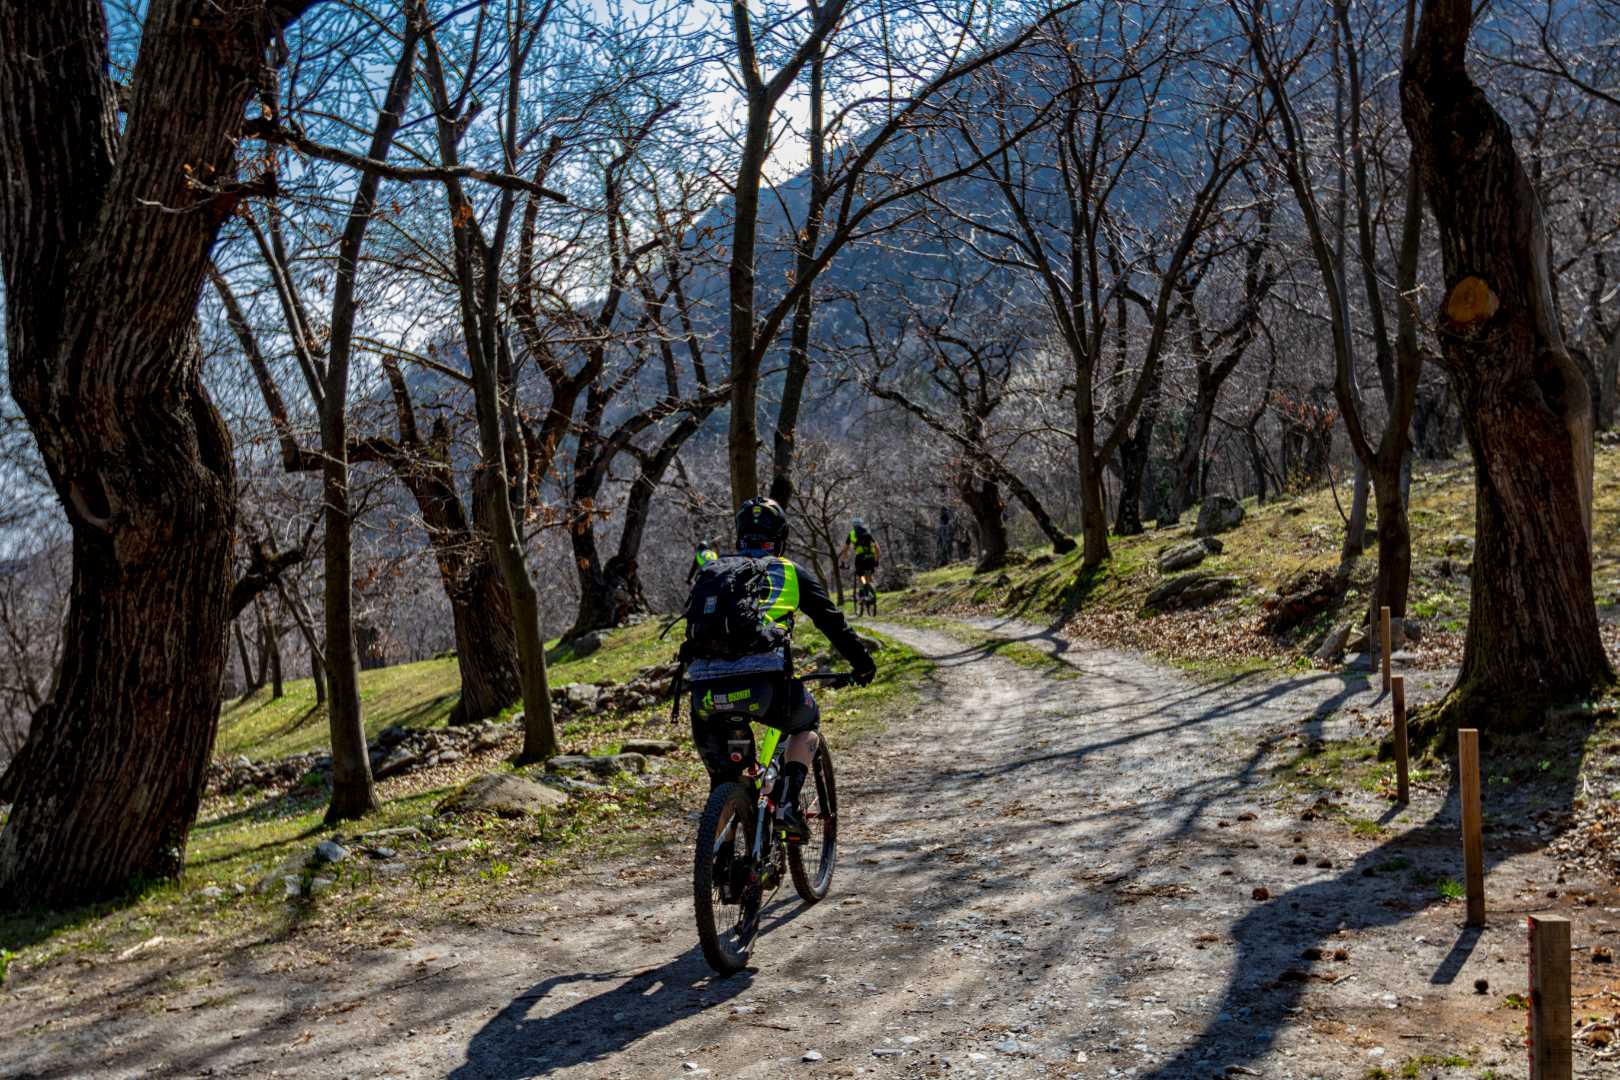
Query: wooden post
point(1472, 826)
point(1551, 1053)
point(1383, 641)
point(1403, 782)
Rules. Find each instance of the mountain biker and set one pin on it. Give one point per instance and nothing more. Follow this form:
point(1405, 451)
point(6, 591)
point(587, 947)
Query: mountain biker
point(865, 547)
point(762, 535)
point(706, 554)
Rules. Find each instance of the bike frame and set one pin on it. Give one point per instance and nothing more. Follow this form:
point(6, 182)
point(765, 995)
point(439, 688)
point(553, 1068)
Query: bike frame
point(768, 741)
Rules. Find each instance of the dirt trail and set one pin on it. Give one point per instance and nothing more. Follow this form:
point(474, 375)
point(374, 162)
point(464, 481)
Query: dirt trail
point(1044, 872)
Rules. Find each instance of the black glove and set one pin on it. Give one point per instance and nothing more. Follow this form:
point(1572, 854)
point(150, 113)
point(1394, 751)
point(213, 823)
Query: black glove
point(865, 675)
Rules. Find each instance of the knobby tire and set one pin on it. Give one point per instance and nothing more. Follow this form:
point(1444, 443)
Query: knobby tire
point(813, 880)
point(727, 942)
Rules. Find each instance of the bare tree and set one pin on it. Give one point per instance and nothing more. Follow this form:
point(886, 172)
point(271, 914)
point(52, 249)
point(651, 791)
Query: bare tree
point(105, 231)
point(854, 191)
point(1073, 193)
point(1532, 626)
point(1398, 359)
point(959, 343)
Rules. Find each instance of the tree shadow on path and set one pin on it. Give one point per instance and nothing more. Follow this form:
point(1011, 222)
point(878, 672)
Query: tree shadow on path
point(1266, 990)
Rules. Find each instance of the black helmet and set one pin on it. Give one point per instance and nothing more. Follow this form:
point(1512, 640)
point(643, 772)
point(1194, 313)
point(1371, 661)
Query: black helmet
point(762, 526)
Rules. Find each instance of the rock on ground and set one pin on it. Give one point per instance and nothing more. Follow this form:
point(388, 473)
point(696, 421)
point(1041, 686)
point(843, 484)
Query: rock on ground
point(503, 794)
point(650, 747)
point(601, 766)
point(1193, 590)
point(1218, 514)
point(1188, 554)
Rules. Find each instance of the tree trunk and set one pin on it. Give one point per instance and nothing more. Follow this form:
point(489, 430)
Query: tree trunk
point(1133, 463)
point(604, 595)
point(277, 691)
point(1394, 543)
point(1257, 461)
point(353, 791)
point(787, 415)
point(101, 289)
point(1093, 508)
point(1608, 381)
point(983, 500)
point(486, 643)
point(496, 515)
point(1532, 627)
point(306, 627)
point(480, 607)
point(1355, 529)
point(638, 506)
point(1190, 463)
point(249, 683)
point(798, 368)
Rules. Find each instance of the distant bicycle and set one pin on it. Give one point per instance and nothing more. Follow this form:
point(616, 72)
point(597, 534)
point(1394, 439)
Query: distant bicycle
point(741, 853)
point(865, 598)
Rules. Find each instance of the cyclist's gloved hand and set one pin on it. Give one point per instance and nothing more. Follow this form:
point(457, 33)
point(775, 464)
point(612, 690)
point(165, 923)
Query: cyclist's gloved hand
point(864, 676)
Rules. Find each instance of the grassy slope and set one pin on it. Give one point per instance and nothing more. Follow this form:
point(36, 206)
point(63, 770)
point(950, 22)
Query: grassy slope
point(240, 838)
point(412, 695)
point(1274, 545)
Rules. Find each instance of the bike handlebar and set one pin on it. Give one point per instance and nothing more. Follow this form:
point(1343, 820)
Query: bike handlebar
point(839, 679)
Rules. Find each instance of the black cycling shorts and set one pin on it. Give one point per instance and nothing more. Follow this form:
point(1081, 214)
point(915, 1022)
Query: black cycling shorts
point(865, 565)
point(803, 714)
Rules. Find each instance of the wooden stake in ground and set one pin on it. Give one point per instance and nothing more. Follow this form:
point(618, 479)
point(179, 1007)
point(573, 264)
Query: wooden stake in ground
point(1403, 784)
point(1551, 1053)
point(1473, 836)
point(1383, 642)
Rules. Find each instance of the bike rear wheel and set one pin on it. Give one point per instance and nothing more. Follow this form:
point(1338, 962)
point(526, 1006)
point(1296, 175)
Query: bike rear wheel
point(725, 891)
point(811, 862)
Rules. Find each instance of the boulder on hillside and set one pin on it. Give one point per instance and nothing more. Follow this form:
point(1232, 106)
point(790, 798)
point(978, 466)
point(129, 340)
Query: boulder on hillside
point(1302, 599)
point(650, 747)
point(503, 794)
point(1459, 546)
point(601, 766)
point(1188, 554)
point(1333, 644)
point(581, 697)
point(1218, 514)
point(586, 644)
point(395, 762)
point(893, 577)
point(1194, 590)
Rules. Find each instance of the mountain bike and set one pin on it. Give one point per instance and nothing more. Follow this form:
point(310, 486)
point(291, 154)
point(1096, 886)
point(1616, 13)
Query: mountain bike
point(865, 598)
point(741, 854)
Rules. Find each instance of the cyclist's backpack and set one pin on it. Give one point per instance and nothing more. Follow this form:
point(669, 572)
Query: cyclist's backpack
point(723, 618)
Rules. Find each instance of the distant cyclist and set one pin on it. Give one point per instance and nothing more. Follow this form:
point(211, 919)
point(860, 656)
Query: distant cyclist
point(706, 554)
point(865, 548)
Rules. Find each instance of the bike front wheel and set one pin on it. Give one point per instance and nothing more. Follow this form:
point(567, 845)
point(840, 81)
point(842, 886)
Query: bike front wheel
point(811, 862)
point(725, 890)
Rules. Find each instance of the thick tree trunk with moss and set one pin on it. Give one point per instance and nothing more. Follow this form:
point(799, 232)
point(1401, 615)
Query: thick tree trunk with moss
point(1533, 630)
point(101, 286)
